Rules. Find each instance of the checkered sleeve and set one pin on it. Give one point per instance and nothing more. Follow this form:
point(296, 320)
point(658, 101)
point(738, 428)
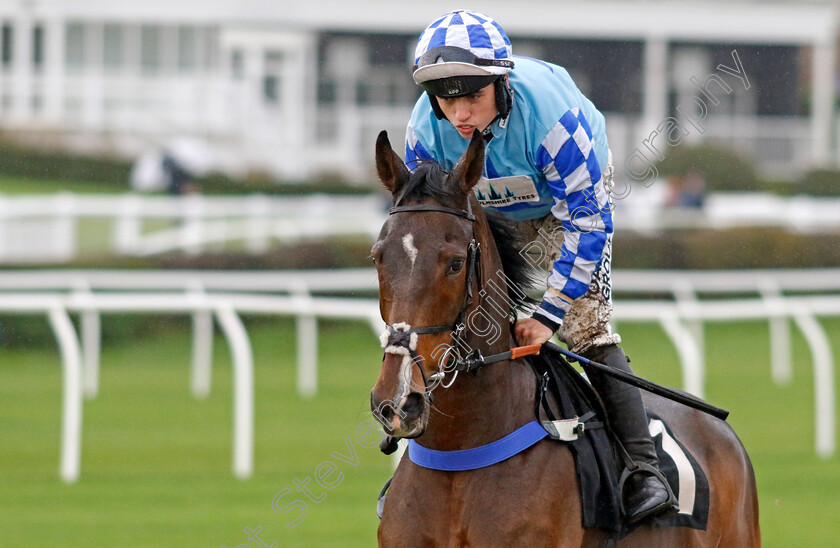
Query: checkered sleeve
point(414, 149)
point(567, 159)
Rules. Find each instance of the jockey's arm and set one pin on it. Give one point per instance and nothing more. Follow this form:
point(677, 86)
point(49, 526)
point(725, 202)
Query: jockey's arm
point(567, 159)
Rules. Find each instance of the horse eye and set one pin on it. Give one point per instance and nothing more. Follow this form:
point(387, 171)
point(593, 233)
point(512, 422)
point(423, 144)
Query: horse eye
point(375, 254)
point(455, 266)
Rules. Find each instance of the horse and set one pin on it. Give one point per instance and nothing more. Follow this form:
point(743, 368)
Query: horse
point(434, 286)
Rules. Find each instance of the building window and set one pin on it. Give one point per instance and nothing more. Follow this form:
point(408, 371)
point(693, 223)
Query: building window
point(113, 54)
point(327, 92)
point(391, 49)
point(271, 76)
point(150, 58)
point(6, 41)
point(237, 64)
point(387, 85)
point(186, 48)
point(207, 49)
point(74, 50)
point(38, 46)
point(271, 89)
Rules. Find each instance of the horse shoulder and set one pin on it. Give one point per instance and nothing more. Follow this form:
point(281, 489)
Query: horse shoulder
point(530, 499)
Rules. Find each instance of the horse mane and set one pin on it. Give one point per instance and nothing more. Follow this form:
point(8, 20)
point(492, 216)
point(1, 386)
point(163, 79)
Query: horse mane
point(429, 180)
point(517, 269)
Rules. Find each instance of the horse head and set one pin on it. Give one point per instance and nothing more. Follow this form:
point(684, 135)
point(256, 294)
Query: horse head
point(426, 258)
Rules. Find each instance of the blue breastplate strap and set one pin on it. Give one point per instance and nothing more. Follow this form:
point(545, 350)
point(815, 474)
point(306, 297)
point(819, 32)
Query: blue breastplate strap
point(478, 457)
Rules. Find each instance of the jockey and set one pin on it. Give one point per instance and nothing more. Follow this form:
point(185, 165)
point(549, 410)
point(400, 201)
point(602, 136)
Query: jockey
point(548, 168)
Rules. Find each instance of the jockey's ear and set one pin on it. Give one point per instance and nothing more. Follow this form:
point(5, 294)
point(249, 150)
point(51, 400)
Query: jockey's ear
point(469, 168)
point(390, 167)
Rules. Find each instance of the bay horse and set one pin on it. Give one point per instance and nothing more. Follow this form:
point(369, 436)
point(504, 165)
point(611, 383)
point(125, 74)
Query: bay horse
point(431, 279)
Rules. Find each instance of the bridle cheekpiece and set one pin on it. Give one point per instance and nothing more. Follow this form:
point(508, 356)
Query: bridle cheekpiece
point(400, 338)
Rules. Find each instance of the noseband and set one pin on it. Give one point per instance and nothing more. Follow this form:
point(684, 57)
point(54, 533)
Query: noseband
point(401, 338)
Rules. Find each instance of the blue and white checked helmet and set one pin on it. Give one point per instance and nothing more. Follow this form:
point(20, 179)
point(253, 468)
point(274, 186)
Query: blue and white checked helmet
point(460, 53)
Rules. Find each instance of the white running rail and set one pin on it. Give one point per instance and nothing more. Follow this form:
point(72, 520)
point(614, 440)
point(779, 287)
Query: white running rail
point(46, 228)
point(226, 295)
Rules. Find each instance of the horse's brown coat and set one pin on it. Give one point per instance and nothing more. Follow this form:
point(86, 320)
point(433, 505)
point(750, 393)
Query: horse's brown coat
point(530, 499)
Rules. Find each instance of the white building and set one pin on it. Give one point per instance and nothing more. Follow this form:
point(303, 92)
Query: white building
point(300, 89)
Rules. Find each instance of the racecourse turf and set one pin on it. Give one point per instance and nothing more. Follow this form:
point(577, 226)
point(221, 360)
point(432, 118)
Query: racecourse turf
point(156, 463)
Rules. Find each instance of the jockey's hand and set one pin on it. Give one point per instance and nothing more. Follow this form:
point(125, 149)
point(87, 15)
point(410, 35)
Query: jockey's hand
point(529, 331)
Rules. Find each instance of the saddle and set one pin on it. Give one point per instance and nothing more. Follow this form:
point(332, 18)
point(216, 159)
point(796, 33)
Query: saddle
point(598, 461)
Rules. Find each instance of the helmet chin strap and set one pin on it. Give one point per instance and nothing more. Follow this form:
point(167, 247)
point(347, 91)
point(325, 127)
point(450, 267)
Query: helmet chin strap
point(436, 108)
point(487, 133)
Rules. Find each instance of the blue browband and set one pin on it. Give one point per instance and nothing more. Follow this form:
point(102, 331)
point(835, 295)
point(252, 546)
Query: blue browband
point(478, 457)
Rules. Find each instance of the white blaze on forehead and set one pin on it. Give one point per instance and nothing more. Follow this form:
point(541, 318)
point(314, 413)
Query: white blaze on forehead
point(408, 245)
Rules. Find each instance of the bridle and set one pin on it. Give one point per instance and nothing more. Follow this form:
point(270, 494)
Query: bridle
point(400, 338)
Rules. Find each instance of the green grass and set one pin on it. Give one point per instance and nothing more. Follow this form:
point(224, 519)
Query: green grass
point(156, 462)
point(25, 185)
point(798, 492)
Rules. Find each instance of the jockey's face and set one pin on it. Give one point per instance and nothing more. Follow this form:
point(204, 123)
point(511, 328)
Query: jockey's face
point(470, 112)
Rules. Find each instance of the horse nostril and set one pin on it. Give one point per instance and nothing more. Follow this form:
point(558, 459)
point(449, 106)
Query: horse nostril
point(413, 405)
point(381, 410)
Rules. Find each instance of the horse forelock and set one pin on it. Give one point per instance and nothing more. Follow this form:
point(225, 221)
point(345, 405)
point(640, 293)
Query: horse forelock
point(430, 180)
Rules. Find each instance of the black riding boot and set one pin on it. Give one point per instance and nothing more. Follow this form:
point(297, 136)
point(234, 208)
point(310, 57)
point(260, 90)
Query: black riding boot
point(645, 492)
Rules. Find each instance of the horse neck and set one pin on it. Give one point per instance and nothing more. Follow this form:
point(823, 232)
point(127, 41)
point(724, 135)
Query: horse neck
point(484, 406)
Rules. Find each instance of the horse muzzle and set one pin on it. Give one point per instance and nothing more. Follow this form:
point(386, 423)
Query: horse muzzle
point(404, 418)
point(401, 400)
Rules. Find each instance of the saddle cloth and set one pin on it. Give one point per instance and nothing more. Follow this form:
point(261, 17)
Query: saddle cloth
point(598, 466)
point(683, 472)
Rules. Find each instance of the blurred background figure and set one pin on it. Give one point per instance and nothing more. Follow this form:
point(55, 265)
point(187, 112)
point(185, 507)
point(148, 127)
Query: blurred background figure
point(688, 191)
point(179, 180)
point(172, 168)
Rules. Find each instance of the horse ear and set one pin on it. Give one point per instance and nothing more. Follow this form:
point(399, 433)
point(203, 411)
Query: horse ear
point(469, 168)
point(391, 169)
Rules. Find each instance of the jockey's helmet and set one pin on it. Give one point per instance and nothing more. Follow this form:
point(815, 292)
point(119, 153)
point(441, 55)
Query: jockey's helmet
point(459, 54)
